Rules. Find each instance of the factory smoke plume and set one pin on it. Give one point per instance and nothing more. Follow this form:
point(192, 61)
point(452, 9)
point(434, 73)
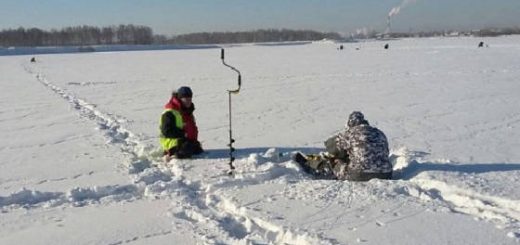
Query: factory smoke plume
point(395, 11)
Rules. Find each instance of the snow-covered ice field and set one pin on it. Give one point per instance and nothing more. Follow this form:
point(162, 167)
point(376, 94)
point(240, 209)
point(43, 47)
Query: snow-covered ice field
point(79, 158)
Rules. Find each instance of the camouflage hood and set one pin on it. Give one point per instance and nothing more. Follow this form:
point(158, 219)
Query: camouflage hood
point(356, 118)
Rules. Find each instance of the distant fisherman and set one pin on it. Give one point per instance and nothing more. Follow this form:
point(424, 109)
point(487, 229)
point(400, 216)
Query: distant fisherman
point(179, 130)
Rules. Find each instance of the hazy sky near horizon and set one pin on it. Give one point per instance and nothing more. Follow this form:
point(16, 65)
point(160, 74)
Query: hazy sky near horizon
point(178, 16)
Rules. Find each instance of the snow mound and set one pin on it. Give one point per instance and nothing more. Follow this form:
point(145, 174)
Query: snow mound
point(82, 196)
point(26, 197)
point(152, 175)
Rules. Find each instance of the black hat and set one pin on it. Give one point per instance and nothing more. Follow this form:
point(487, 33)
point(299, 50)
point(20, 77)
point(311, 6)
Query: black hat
point(184, 91)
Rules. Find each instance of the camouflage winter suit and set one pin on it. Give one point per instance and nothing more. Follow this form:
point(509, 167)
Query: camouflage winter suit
point(367, 151)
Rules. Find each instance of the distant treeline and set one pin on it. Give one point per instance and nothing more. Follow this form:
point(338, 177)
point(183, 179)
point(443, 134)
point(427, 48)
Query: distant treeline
point(492, 32)
point(488, 32)
point(269, 35)
point(135, 34)
point(77, 35)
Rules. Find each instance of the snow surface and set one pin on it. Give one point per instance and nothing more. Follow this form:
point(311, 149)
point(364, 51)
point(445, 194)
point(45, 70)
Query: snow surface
point(80, 162)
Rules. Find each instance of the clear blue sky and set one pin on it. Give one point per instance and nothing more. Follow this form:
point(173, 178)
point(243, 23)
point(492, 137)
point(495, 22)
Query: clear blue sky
point(177, 17)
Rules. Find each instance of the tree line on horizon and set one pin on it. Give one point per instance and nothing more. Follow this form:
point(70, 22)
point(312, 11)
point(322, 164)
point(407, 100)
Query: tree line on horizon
point(77, 36)
point(143, 35)
point(263, 35)
point(487, 32)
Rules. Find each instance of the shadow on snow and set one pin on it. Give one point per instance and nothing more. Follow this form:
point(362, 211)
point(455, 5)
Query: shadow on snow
point(415, 168)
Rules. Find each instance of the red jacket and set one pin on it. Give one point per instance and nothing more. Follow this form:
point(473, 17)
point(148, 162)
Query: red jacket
point(190, 126)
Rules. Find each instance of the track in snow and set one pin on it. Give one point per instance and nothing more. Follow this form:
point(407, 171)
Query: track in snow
point(215, 219)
